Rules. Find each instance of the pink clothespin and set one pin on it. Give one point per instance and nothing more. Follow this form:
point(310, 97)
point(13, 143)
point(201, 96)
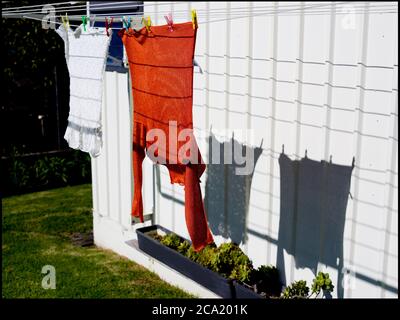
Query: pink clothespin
point(169, 20)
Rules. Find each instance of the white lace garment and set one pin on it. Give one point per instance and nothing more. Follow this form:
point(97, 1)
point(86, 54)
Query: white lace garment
point(86, 56)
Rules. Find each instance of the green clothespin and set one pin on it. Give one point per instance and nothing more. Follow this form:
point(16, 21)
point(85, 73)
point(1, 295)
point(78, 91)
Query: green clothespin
point(84, 22)
point(126, 22)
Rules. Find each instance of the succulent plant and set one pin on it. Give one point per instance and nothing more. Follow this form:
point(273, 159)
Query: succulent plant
point(267, 280)
point(206, 256)
point(192, 254)
point(231, 262)
point(297, 290)
point(183, 247)
point(322, 282)
point(171, 240)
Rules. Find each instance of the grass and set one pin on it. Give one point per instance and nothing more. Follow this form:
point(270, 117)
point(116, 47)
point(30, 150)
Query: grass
point(36, 232)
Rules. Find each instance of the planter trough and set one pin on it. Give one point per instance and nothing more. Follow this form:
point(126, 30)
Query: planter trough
point(211, 280)
point(242, 292)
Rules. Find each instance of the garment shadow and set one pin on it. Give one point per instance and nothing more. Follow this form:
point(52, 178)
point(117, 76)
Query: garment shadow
point(314, 199)
point(228, 188)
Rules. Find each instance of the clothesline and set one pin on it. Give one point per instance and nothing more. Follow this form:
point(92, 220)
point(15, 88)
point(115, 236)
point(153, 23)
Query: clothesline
point(109, 5)
point(93, 5)
point(356, 7)
point(212, 15)
point(100, 17)
point(230, 17)
point(386, 9)
point(118, 28)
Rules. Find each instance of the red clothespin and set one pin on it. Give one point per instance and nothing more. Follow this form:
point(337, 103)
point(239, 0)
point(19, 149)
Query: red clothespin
point(169, 20)
point(108, 25)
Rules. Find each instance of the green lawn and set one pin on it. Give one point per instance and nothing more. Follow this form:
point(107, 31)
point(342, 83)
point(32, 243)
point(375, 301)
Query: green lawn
point(36, 232)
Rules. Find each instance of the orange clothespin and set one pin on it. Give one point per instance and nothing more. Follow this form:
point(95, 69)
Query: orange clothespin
point(194, 18)
point(169, 20)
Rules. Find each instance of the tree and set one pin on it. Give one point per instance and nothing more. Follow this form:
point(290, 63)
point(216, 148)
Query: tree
point(33, 59)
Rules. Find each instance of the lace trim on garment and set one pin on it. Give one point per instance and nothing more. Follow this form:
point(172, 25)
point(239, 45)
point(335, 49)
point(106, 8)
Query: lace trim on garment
point(84, 138)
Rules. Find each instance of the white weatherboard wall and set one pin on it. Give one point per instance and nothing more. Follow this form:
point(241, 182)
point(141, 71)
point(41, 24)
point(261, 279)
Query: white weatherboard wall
point(325, 83)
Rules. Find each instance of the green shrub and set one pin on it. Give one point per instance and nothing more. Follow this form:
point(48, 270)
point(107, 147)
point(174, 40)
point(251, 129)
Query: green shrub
point(266, 278)
point(192, 254)
point(228, 259)
point(171, 240)
point(297, 290)
point(232, 263)
point(51, 171)
point(322, 282)
point(19, 173)
point(183, 247)
point(22, 173)
point(206, 256)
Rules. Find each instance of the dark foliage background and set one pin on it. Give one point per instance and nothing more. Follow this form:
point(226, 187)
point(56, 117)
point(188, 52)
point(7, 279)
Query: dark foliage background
point(34, 108)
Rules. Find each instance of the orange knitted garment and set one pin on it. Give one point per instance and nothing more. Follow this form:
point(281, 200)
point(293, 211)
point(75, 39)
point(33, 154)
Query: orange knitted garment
point(161, 66)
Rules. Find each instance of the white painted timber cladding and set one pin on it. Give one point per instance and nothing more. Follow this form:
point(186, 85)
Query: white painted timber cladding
point(305, 81)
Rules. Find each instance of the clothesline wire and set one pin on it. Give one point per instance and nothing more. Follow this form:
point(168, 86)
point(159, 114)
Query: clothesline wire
point(200, 22)
point(66, 8)
point(76, 17)
point(107, 4)
point(110, 5)
point(93, 5)
point(184, 15)
point(177, 13)
point(100, 17)
point(254, 12)
point(354, 6)
point(261, 14)
point(38, 5)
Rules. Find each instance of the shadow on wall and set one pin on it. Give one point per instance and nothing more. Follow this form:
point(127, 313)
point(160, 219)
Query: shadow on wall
point(314, 199)
point(228, 187)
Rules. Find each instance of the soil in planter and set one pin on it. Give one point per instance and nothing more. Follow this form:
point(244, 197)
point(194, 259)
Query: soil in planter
point(156, 236)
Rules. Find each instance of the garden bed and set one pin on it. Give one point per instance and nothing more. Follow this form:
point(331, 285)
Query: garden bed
point(42, 171)
point(226, 270)
point(226, 288)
